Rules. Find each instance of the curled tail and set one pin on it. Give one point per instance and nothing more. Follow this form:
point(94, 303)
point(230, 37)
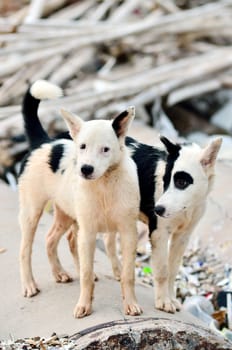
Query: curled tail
point(38, 91)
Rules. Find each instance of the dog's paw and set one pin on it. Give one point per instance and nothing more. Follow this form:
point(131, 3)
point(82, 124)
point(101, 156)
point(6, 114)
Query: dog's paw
point(117, 271)
point(165, 304)
point(177, 304)
point(132, 309)
point(30, 290)
point(62, 277)
point(82, 310)
point(117, 274)
point(117, 277)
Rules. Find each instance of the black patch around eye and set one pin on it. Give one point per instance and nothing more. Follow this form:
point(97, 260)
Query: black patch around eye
point(182, 180)
point(55, 156)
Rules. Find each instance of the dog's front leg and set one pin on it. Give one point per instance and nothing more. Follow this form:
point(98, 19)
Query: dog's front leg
point(178, 244)
point(128, 237)
point(159, 242)
point(86, 248)
point(110, 245)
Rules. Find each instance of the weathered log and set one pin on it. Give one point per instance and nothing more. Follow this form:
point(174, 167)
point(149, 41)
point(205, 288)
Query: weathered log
point(35, 10)
point(149, 333)
point(71, 65)
point(75, 10)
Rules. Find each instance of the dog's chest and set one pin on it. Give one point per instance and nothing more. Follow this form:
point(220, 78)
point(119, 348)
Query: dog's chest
point(104, 205)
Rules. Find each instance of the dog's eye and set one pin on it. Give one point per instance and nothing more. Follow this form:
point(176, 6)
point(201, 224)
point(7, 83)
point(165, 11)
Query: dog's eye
point(83, 146)
point(181, 184)
point(105, 149)
point(182, 180)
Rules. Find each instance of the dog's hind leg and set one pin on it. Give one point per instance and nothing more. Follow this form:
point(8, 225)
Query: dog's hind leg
point(159, 242)
point(72, 241)
point(28, 220)
point(128, 238)
point(60, 225)
point(110, 245)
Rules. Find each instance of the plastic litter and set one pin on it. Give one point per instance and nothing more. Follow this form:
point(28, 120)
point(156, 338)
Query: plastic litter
point(201, 308)
point(227, 333)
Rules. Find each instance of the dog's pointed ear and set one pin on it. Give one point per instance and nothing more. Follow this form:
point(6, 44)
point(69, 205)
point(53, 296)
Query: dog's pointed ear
point(73, 122)
point(172, 148)
point(122, 122)
point(210, 153)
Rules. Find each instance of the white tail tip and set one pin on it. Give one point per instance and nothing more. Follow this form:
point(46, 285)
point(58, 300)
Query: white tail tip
point(43, 89)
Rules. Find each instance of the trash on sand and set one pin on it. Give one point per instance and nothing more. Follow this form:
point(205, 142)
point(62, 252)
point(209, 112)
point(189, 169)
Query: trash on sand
point(201, 308)
point(203, 285)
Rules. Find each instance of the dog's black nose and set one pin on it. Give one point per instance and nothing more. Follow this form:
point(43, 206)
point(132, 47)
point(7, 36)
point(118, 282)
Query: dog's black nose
point(160, 210)
point(87, 169)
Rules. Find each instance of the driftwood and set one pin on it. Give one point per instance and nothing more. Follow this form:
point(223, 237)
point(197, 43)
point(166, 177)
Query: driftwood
point(147, 333)
point(108, 54)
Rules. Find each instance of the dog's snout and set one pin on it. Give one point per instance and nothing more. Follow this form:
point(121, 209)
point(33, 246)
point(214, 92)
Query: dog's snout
point(159, 209)
point(87, 169)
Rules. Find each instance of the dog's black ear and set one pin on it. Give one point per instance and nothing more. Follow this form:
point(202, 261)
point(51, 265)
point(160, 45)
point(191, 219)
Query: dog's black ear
point(172, 148)
point(122, 122)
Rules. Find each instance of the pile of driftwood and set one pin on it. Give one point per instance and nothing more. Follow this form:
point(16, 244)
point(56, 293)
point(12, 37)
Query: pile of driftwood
point(107, 55)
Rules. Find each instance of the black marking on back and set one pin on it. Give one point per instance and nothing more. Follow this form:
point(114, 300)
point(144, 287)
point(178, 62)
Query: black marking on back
point(173, 154)
point(55, 156)
point(146, 158)
point(23, 164)
point(35, 133)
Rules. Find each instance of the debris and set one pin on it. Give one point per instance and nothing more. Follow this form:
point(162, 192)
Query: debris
point(201, 308)
point(203, 285)
point(220, 317)
point(51, 343)
point(227, 333)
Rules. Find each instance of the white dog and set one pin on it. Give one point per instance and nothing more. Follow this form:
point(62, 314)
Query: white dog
point(91, 180)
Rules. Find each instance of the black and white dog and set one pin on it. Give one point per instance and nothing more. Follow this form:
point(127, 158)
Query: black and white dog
point(174, 182)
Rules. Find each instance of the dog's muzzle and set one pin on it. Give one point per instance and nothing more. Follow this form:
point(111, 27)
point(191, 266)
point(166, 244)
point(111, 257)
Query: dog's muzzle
point(87, 171)
point(160, 210)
